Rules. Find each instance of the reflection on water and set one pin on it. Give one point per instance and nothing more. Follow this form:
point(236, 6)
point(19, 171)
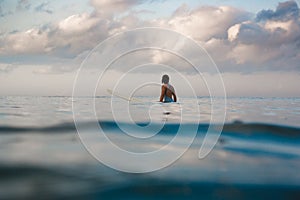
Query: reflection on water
point(52, 161)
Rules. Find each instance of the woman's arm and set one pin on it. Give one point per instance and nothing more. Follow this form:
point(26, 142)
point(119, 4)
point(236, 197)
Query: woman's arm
point(175, 97)
point(162, 94)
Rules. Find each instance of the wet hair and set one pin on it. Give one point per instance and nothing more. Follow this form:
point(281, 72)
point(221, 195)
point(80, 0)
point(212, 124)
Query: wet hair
point(165, 79)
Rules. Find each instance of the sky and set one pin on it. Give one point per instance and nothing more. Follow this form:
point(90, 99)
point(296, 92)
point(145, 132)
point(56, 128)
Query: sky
point(255, 44)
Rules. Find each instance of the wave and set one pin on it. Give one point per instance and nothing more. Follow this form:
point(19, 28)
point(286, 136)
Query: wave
point(236, 128)
point(246, 176)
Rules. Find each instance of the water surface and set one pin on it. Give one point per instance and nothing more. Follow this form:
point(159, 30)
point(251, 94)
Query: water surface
point(257, 155)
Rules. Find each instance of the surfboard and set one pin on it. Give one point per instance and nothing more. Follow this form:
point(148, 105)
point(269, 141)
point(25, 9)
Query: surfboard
point(130, 99)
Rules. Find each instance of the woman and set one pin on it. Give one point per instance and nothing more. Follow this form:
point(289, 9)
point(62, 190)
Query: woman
point(167, 91)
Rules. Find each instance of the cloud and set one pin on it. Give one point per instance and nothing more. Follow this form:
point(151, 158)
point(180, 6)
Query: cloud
point(63, 42)
point(236, 39)
point(43, 7)
point(6, 68)
point(1, 9)
point(2, 12)
point(76, 34)
point(269, 44)
point(77, 24)
point(108, 8)
point(285, 11)
point(239, 43)
point(206, 22)
point(23, 5)
point(28, 42)
point(70, 36)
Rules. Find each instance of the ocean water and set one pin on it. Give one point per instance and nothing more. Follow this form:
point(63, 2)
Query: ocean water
point(257, 155)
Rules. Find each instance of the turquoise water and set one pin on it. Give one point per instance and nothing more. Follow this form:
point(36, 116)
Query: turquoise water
point(257, 155)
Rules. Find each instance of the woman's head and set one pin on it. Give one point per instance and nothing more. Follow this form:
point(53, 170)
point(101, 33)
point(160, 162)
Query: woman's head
point(165, 79)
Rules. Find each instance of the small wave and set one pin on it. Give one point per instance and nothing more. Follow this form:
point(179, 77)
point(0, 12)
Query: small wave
point(233, 129)
point(14, 114)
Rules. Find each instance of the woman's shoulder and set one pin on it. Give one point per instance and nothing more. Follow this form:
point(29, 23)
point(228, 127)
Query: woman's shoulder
point(170, 86)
